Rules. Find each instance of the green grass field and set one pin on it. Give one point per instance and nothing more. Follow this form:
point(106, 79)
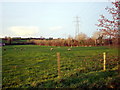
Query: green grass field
point(32, 66)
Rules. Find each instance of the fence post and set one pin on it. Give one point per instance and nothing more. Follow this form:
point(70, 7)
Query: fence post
point(58, 63)
point(104, 63)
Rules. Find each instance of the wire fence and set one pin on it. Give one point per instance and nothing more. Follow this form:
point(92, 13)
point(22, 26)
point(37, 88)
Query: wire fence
point(86, 64)
point(58, 66)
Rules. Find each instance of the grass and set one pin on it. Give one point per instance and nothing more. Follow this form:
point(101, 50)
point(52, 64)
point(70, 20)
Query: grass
point(32, 66)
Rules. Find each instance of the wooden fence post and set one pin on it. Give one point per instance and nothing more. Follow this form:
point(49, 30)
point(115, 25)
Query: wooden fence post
point(104, 63)
point(58, 62)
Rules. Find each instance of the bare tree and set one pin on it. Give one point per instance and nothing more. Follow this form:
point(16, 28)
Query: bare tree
point(96, 35)
point(81, 36)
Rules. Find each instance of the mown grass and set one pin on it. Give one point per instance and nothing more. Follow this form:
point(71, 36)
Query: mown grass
point(32, 66)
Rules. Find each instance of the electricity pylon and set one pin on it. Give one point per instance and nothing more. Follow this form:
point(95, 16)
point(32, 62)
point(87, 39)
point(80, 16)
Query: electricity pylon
point(77, 26)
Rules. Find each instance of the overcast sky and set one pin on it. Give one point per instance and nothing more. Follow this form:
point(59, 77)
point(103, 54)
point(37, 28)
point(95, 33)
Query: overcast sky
point(49, 19)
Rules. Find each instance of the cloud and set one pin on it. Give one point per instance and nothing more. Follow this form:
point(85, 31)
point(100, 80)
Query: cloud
point(24, 30)
point(55, 28)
